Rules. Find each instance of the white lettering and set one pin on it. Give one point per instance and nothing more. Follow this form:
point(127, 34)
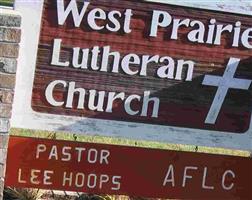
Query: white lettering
point(54, 153)
point(94, 14)
point(68, 179)
point(40, 148)
point(34, 176)
point(185, 176)
point(103, 179)
point(246, 37)
point(20, 177)
point(224, 177)
point(47, 177)
point(204, 186)
point(116, 182)
point(169, 177)
point(71, 8)
point(56, 54)
point(159, 19)
point(127, 104)
point(49, 93)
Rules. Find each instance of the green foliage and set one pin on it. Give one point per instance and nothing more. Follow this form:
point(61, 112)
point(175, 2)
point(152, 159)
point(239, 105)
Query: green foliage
point(52, 135)
point(6, 2)
point(21, 194)
point(93, 197)
point(125, 142)
point(35, 194)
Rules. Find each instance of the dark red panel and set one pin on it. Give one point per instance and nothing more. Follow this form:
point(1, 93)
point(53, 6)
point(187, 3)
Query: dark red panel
point(136, 171)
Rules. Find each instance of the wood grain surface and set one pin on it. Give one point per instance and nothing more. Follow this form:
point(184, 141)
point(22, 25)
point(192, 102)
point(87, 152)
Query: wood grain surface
point(182, 104)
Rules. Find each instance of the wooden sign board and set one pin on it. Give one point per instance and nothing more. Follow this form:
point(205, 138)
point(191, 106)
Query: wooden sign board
point(158, 71)
point(111, 169)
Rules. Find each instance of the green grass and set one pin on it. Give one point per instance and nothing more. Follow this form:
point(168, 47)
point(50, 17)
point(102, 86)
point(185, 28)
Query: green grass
point(127, 142)
point(6, 2)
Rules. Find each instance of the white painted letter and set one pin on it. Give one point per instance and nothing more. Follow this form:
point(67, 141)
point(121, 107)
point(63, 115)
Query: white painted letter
point(146, 59)
point(40, 148)
point(53, 153)
point(127, 104)
point(79, 180)
point(146, 101)
point(89, 181)
point(104, 156)
point(176, 24)
point(70, 95)
point(56, 54)
point(224, 186)
point(94, 14)
point(156, 21)
point(187, 176)
point(198, 34)
point(115, 181)
point(220, 30)
point(190, 69)
point(103, 179)
point(127, 61)
point(49, 93)
point(91, 101)
point(69, 179)
point(66, 153)
point(246, 35)
point(79, 151)
point(34, 176)
point(112, 96)
point(105, 60)
point(204, 186)
point(114, 21)
point(72, 7)
point(237, 32)
point(128, 15)
point(47, 177)
point(170, 173)
point(166, 71)
point(84, 60)
point(20, 176)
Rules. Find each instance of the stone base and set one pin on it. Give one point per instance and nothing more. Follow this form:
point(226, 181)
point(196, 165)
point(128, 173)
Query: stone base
point(10, 34)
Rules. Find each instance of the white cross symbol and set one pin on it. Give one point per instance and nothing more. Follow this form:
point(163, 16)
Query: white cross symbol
point(224, 83)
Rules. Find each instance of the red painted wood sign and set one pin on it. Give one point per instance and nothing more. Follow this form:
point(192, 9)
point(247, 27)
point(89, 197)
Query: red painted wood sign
point(142, 62)
point(111, 169)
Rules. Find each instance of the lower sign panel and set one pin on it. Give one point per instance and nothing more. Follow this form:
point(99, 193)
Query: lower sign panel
point(111, 169)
